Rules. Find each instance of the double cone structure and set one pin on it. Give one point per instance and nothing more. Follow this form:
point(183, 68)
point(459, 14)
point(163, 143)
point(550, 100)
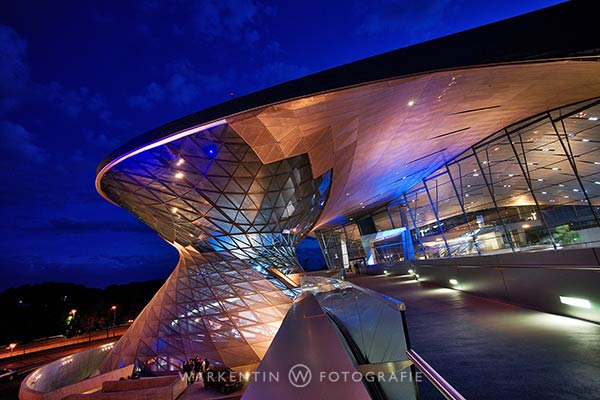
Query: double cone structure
point(231, 218)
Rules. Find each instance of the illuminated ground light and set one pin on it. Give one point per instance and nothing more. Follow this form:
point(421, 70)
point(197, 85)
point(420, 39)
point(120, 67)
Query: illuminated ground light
point(453, 281)
point(575, 302)
point(411, 271)
point(385, 271)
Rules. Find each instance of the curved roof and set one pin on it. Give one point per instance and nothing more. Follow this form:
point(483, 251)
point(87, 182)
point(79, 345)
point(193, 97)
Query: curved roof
point(384, 123)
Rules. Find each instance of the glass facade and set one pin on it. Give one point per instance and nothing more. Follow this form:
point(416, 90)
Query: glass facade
point(535, 185)
point(233, 219)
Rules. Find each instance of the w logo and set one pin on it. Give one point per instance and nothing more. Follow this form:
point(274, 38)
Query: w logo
point(299, 375)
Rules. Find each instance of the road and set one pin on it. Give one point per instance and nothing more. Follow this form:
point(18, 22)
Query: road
point(27, 363)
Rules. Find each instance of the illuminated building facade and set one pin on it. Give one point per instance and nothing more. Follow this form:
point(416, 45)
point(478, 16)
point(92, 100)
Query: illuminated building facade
point(451, 147)
point(534, 185)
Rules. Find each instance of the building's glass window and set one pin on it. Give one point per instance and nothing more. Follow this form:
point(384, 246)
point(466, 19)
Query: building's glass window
point(532, 186)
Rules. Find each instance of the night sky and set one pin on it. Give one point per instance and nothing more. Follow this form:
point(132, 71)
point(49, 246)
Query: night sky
point(78, 79)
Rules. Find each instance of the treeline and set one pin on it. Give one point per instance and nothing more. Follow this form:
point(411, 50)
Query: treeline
point(38, 311)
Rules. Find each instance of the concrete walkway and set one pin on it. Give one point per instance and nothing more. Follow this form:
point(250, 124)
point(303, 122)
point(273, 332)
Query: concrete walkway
point(491, 350)
point(197, 391)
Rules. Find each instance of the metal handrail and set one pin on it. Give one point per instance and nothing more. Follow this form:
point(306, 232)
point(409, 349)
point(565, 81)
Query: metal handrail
point(436, 379)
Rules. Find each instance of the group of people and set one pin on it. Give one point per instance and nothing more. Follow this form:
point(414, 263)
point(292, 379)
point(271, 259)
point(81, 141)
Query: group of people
point(194, 367)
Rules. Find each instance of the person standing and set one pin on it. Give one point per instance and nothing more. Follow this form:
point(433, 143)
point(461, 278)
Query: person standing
point(197, 368)
point(187, 370)
point(205, 366)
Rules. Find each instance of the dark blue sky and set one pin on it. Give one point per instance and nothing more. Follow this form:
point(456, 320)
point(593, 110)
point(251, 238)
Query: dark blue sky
point(78, 79)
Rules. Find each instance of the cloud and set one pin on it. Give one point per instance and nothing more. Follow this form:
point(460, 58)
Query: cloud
point(74, 102)
point(152, 95)
point(97, 271)
point(99, 139)
point(14, 72)
point(412, 17)
point(183, 86)
point(18, 89)
point(17, 144)
point(230, 20)
point(277, 72)
point(74, 226)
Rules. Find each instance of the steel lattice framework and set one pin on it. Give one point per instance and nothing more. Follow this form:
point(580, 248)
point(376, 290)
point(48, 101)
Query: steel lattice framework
point(231, 217)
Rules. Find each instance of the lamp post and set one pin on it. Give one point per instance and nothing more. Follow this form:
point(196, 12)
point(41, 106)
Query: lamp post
point(114, 310)
point(12, 347)
point(71, 323)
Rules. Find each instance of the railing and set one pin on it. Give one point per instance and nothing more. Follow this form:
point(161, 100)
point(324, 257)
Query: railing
point(53, 343)
point(434, 377)
point(374, 329)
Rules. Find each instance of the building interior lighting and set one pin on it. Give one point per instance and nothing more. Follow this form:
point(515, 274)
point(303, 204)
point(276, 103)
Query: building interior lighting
point(411, 103)
point(179, 175)
point(575, 302)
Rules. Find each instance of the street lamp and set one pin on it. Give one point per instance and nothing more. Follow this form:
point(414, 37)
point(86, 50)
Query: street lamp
point(72, 312)
point(114, 308)
point(12, 347)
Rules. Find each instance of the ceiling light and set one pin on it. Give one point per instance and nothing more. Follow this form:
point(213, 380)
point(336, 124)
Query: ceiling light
point(555, 169)
point(575, 302)
point(576, 190)
point(544, 192)
point(411, 103)
point(180, 161)
point(475, 174)
point(525, 226)
point(540, 180)
point(585, 140)
point(179, 175)
point(593, 118)
point(174, 210)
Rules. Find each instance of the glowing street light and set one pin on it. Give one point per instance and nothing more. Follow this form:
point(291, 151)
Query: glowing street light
point(114, 310)
point(11, 347)
point(72, 312)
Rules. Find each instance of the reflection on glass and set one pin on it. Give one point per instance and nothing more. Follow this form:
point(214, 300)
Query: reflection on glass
point(532, 186)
